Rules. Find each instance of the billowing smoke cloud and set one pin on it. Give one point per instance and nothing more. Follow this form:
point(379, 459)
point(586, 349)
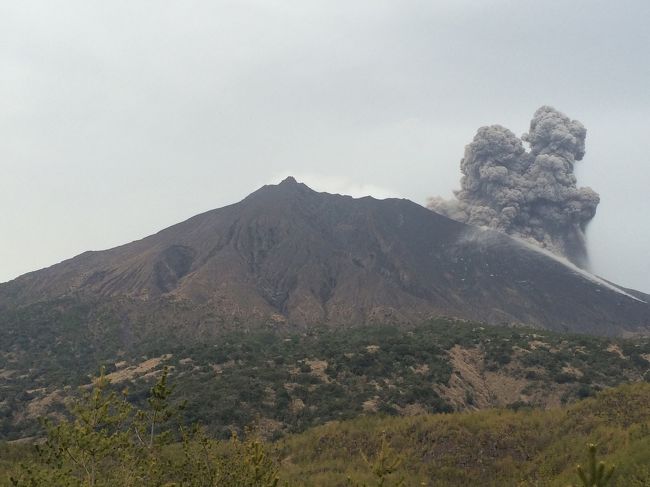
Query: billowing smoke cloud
point(532, 193)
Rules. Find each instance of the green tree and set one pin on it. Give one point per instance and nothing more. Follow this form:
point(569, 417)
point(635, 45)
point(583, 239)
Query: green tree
point(597, 473)
point(383, 466)
point(78, 452)
point(109, 442)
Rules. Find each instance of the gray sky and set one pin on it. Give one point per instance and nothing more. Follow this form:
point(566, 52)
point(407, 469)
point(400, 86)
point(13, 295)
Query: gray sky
point(120, 118)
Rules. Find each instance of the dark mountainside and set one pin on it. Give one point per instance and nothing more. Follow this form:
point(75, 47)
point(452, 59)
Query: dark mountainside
point(287, 255)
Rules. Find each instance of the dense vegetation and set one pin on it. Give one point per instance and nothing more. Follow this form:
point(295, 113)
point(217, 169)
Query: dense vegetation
point(108, 442)
point(488, 448)
point(281, 382)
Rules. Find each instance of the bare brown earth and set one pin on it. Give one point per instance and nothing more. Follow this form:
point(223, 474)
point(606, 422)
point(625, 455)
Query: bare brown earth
point(473, 386)
point(135, 371)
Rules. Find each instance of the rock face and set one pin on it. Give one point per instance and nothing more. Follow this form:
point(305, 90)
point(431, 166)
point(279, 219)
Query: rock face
point(287, 254)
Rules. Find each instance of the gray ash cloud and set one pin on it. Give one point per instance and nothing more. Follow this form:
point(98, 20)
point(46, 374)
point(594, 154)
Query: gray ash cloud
point(529, 193)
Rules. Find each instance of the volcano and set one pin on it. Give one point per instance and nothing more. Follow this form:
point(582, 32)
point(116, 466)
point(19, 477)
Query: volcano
point(290, 256)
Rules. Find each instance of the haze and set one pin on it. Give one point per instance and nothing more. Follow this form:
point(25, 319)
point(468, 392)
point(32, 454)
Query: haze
point(121, 118)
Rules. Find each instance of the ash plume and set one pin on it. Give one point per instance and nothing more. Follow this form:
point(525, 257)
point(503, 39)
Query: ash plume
point(531, 194)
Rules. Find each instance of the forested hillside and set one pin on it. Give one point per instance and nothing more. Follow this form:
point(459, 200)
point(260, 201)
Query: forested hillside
point(281, 382)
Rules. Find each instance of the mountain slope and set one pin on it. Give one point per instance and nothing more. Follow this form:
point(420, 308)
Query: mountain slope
point(287, 254)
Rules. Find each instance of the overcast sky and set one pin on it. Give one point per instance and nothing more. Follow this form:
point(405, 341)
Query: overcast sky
point(119, 118)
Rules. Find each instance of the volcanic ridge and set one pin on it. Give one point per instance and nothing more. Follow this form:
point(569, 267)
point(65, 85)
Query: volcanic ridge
point(290, 256)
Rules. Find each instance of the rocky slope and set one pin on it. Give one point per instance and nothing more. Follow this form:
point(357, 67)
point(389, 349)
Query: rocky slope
point(289, 255)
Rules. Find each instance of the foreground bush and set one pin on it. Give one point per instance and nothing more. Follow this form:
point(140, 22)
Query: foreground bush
point(108, 442)
point(597, 474)
point(499, 448)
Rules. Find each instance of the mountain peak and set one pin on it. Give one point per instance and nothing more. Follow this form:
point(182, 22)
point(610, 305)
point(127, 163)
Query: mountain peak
point(290, 180)
point(290, 186)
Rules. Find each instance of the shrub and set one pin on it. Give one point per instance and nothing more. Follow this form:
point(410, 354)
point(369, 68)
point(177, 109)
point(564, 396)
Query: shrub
point(108, 442)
